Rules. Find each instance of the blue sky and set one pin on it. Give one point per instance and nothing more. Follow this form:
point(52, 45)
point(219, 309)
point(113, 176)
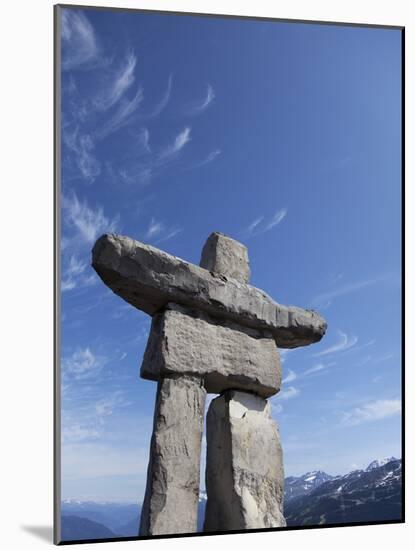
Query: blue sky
point(287, 138)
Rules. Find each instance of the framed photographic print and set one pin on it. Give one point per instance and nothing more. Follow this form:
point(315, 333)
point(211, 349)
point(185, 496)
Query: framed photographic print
point(229, 290)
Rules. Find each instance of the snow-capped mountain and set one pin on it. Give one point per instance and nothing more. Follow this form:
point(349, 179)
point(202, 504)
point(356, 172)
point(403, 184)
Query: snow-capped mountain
point(379, 462)
point(369, 495)
point(299, 486)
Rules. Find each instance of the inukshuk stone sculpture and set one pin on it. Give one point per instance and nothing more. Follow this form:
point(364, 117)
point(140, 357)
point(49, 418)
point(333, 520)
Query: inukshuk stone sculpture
point(211, 332)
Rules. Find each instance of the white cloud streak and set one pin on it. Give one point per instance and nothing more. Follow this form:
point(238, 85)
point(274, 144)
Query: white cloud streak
point(107, 405)
point(288, 393)
point(372, 411)
point(154, 229)
point(252, 226)
point(158, 229)
point(164, 100)
point(169, 235)
point(82, 364)
point(173, 149)
point(318, 368)
point(87, 421)
point(344, 343)
point(77, 432)
point(276, 219)
point(143, 171)
point(210, 158)
point(291, 376)
point(260, 225)
point(86, 222)
point(122, 80)
point(71, 272)
point(325, 299)
point(78, 40)
point(122, 116)
point(143, 140)
point(201, 106)
point(82, 145)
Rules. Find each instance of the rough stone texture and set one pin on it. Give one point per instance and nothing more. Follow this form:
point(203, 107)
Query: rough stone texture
point(225, 355)
point(225, 256)
point(172, 491)
point(148, 279)
point(244, 469)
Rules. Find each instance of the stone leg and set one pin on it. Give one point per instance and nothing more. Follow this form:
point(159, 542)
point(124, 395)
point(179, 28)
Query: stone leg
point(244, 468)
point(173, 475)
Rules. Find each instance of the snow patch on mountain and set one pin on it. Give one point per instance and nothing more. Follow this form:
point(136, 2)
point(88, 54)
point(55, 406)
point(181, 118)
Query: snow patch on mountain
point(378, 463)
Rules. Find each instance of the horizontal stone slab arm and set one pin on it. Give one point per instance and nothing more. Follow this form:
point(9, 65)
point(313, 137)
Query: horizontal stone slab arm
point(149, 279)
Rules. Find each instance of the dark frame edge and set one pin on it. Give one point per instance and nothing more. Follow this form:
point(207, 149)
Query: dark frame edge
point(236, 532)
point(232, 16)
point(56, 278)
point(403, 219)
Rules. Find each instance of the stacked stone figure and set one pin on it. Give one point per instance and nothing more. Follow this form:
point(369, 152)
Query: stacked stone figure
point(211, 332)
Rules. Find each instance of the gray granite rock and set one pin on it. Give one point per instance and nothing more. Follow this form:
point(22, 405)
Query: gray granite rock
point(172, 493)
point(148, 279)
point(225, 256)
point(224, 354)
point(244, 467)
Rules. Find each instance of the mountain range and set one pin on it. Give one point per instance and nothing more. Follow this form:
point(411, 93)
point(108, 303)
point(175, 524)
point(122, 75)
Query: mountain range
point(110, 519)
point(315, 498)
point(373, 494)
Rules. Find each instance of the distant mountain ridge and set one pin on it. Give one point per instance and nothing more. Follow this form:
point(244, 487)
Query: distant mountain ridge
point(120, 518)
point(379, 463)
point(374, 494)
point(316, 498)
point(299, 486)
point(78, 528)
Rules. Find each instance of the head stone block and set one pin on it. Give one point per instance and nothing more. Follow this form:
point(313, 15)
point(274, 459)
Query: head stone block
point(227, 257)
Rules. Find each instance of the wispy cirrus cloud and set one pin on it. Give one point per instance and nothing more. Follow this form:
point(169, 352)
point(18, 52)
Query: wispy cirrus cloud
point(260, 225)
point(143, 140)
point(291, 376)
point(344, 343)
point(276, 219)
point(79, 43)
point(154, 229)
point(88, 420)
point(85, 222)
point(171, 151)
point(250, 230)
point(123, 115)
point(169, 234)
point(107, 405)
point(82, 364)
point(318, 368)
point(164, 101)
point(136, 173)
point(82, 144)
point(77, 432)
point(158, 232)
point(119, 84)
point(372, 411)
point(288, 393)
point(198, 107)
point(208, 159)
point(325, 299)
point(73, 274)
point(143, 171)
